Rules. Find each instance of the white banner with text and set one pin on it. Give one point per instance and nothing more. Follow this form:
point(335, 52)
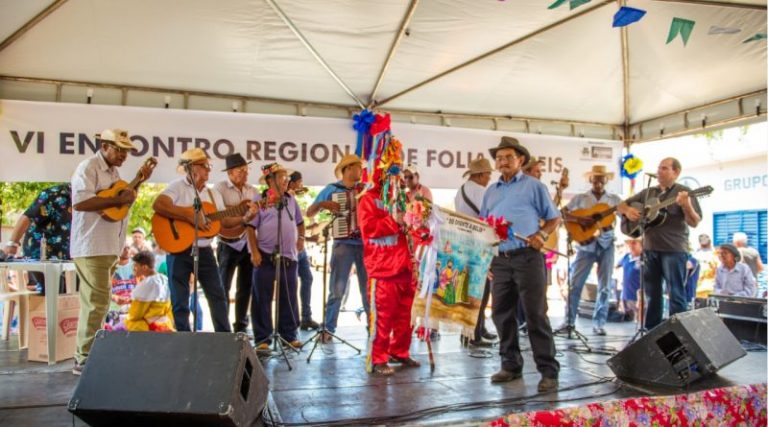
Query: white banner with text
point(43, 141)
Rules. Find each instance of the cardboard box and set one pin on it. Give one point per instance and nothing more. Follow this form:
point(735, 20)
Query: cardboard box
point(68, 307)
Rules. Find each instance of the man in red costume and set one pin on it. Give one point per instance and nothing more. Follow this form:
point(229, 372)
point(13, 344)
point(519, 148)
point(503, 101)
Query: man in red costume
point(391, 286)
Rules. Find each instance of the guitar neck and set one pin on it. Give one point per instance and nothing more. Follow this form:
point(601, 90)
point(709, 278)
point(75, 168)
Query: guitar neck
point(233, 211)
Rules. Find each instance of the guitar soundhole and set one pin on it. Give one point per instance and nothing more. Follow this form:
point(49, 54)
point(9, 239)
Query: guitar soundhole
point(174, 231)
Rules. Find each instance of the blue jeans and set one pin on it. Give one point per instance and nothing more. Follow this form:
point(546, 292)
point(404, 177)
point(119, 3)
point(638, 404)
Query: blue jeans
point(344, 255)
point(580, 269)
point(305, 289)
point(661, 267)
point(179, 271)
point(263, 292)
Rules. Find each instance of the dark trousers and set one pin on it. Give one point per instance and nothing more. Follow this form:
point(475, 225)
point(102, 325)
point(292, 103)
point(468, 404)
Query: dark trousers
point(261, 304)
point(305, 290)
point(480, 326)
point(229, 260)
point(663, 267)
point(179, 270)
point(519, 277)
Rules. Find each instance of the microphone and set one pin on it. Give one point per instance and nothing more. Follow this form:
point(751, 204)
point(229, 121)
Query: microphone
point(652, 175)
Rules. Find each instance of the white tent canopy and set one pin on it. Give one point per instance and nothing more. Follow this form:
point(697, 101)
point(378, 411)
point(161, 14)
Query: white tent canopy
point(513, 64)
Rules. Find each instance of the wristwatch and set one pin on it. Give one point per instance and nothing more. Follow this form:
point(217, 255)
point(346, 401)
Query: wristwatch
point(544, 235)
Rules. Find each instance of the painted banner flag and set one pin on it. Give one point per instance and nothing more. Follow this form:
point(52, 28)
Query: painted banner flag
point(465, 247)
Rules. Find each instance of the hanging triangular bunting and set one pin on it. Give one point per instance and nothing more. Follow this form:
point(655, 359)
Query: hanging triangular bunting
point(556, 4)
point(627, 15)
point(758, 36)
point(680, 26)
point(723, 30)
point(576, 3)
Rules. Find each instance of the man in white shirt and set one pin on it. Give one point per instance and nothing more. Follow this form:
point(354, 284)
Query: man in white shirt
point(232, 251)
point(176, 203)
point(95, 243)
point(468, 200)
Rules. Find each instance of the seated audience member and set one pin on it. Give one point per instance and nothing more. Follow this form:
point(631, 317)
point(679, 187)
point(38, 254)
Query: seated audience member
point(151, 300)
point(630, 284)
point(733, 277)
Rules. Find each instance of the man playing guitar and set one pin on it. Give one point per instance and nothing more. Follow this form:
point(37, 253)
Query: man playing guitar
point(598, 249)
point(666, 246)
point(96, 242)
point(176, 203)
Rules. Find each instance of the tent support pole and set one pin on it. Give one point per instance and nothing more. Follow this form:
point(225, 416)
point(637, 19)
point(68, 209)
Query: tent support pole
point(313, 51)
point(31, 23)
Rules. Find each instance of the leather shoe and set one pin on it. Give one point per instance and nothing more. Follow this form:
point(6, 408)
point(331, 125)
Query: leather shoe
point(489, 336)
point(407, 362)
point(309, 325)
point(383, 370)
point(547, 384)
point(505, 376)
point(480, 343)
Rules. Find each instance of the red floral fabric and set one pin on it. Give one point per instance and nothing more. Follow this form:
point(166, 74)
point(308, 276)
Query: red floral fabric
point(743, 405)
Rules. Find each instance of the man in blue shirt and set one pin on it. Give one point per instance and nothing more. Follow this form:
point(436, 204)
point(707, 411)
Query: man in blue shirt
point(348, 249)
point(517, 272)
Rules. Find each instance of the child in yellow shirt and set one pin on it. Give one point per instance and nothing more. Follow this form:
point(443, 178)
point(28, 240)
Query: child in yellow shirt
point(151, 299)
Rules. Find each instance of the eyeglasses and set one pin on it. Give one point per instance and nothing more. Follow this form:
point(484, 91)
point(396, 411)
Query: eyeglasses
point(508, 158)
point(120, 150)
point(242, 169)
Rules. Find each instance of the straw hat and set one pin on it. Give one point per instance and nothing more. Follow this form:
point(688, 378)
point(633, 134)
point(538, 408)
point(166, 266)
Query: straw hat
point(191, 156)
point(271, 169)
point(116, 137)
point(513, 143)
point(347, 160)
point(480, 165)
point(599, 170)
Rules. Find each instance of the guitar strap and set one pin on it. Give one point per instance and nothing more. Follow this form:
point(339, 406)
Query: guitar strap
point(469, 202)
point(210, 195)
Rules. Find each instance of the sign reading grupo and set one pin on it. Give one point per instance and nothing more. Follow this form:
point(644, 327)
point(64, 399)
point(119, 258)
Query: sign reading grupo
point(41, 141)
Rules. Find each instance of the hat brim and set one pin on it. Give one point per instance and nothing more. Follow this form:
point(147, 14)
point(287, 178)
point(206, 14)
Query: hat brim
point(237, 166)
point(341, 166)
point(519, 148)
point(471, 172)
point(263, 178)
point(608, 175)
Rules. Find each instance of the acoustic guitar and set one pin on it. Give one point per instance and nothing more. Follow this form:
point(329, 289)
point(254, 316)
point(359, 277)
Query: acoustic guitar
point(175, 236)
point(655, 212)
point(118, 213)
point(582, 224)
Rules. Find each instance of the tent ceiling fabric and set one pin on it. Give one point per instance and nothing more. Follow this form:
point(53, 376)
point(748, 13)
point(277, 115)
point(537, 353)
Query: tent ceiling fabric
point(242, 47)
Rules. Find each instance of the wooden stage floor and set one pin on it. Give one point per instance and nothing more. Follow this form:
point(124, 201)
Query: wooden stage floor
point(334, 388)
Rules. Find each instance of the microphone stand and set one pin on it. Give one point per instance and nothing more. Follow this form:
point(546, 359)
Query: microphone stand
point(278, 342)
point(569, 330)
point(323, 331)
point(197, 205)
point(641, 329)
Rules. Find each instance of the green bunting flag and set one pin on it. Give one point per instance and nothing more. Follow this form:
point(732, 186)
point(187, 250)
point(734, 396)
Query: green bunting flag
point(576, 3)
point(556, 4)
point(573, 4)
point(758, 36)
point(680, 26)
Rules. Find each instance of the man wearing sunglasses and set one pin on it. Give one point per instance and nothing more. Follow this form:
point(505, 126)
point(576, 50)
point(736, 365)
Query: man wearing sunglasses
point(95, 242)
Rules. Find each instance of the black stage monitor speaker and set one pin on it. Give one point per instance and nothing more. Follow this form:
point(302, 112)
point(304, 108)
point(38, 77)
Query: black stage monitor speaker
point(183, 378)
point(686, 347)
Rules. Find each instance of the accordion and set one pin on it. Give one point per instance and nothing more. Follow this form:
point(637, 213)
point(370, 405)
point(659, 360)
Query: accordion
point(345, 224)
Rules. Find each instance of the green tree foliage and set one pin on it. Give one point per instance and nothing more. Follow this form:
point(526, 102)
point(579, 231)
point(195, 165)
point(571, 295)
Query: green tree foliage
point(141, 212)
point(15, 198)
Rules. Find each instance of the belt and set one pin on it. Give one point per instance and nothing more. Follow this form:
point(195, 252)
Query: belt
point(513, 252)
